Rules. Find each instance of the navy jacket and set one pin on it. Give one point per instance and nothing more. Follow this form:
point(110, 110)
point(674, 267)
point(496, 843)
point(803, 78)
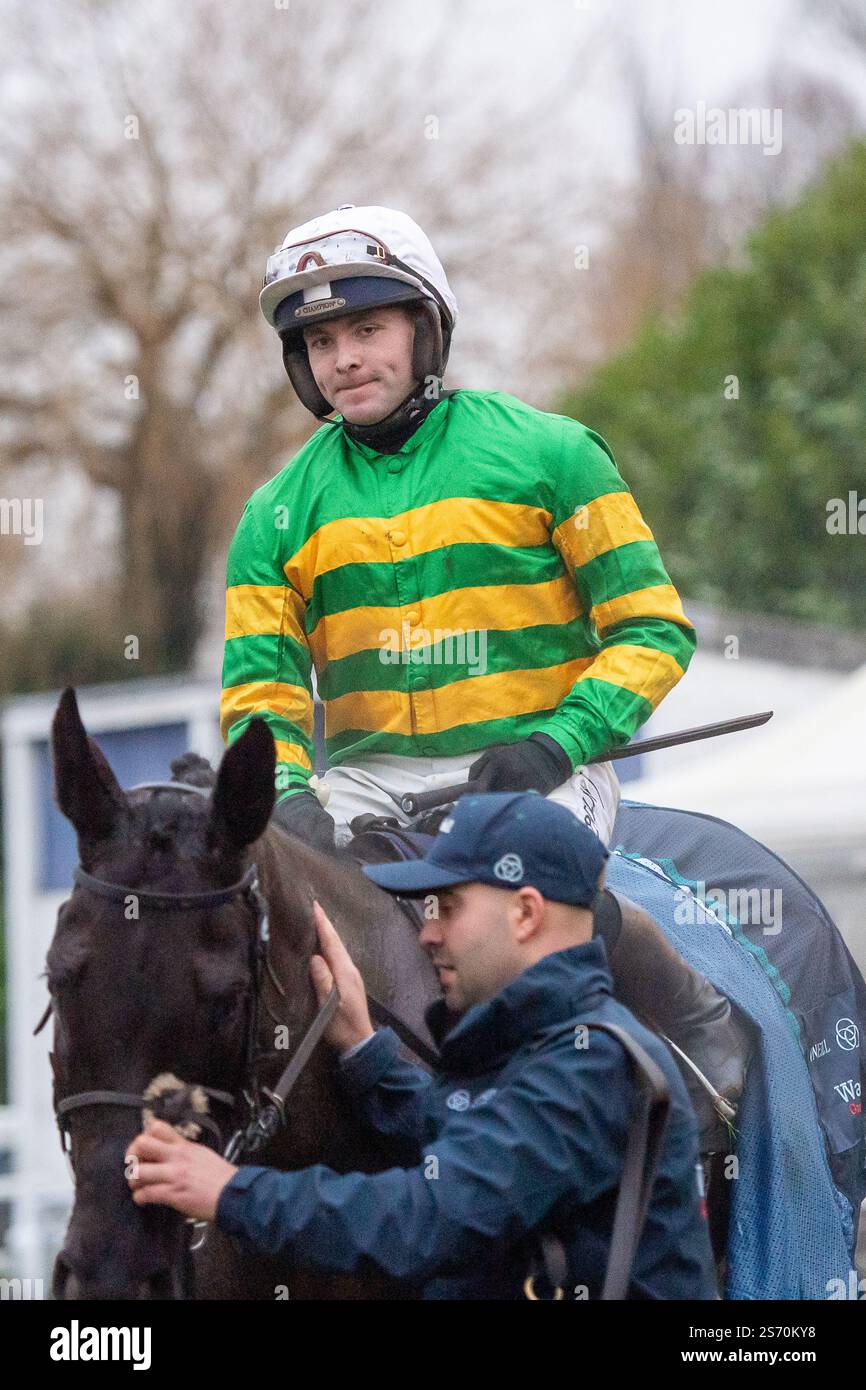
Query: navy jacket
point(514, 1135)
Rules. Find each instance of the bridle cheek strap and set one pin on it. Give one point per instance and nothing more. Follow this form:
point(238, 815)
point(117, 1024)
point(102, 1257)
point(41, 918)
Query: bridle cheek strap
point(246, 886)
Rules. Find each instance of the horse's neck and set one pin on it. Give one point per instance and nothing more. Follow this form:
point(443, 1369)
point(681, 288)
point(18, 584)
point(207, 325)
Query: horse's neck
point(373, 927)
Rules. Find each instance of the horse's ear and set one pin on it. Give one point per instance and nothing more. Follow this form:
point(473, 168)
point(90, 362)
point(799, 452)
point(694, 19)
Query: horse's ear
point(85, 788)
point(243, 797)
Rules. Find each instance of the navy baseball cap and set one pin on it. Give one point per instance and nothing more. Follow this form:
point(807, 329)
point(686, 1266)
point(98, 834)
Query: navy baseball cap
point(507, 839)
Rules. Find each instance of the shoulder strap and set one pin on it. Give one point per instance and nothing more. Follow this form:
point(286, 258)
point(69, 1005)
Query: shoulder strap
point(639, 1167)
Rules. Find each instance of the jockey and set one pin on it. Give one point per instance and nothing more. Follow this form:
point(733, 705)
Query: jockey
point(469, 577)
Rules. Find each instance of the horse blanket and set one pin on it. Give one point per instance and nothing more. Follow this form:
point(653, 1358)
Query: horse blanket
point(744, 919)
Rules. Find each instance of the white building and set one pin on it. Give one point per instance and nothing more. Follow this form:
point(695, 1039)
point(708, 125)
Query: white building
point(140, 726)
point(798, 784)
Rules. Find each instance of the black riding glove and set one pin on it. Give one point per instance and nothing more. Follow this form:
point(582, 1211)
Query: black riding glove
point(536, 763)
point(304, 815)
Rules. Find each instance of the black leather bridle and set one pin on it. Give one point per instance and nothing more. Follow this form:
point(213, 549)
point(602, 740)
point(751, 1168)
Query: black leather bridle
point(265, 1107)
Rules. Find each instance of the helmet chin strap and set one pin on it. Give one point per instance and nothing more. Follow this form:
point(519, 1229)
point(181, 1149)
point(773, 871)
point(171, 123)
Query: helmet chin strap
point(390, 434)
point(430, 346)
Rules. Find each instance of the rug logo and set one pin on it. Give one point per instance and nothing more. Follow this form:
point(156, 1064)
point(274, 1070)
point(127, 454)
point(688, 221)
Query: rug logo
point(819, 1049)
point(847, 1034)
point(850, 1091)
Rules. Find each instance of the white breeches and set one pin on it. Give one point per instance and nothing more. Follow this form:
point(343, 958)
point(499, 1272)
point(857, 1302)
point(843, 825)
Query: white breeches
point(591, 793)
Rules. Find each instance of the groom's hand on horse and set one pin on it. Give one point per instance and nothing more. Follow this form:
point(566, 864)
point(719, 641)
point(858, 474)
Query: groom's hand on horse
point(351, 1023)
point(162, 1167)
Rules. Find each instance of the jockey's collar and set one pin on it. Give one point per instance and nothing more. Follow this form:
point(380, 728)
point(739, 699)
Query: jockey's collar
point(390, 434)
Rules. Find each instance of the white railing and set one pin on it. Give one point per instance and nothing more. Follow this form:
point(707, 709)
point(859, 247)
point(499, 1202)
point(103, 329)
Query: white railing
point(39, 1203)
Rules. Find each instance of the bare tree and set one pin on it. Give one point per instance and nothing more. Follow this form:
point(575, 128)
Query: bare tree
point(685, 207)
point(847, 19)
point(151, 157)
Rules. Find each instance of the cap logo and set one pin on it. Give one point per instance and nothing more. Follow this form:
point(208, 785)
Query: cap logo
point(319, 306)
point(509, 868)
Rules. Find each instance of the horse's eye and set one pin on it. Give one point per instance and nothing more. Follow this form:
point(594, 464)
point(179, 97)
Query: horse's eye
point(223, 1007)
point(215, 986)
point(65, 965)
point(231, 995)
point(67, 979)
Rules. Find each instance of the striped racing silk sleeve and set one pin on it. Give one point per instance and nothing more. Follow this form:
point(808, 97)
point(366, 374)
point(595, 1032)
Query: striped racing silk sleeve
point(643, 638)
point(267, 664)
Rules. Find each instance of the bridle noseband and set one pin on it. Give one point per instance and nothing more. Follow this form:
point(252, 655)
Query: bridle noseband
point(266, 1108)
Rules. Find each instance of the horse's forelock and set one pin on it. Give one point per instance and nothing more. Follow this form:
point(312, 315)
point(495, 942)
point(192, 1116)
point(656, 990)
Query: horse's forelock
point(193, 769)
point(169, 823)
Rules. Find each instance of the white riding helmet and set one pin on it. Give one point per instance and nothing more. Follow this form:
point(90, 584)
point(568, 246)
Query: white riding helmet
point(351, 259)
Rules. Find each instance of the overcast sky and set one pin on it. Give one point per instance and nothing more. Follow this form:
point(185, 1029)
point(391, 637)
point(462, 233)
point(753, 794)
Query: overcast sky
point(721, 52)
point(711, 46)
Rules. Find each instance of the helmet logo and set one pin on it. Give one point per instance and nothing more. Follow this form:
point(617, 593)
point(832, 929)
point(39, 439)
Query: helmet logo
point(319, 306)
point(306, 259)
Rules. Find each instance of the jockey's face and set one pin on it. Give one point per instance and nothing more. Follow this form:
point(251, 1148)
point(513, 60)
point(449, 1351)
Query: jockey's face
point(362, 363)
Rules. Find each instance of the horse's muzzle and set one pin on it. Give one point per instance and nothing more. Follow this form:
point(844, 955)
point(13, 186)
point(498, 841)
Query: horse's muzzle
point(168, 1284)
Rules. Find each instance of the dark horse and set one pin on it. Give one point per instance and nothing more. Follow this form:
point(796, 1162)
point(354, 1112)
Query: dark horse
point(140, 992)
